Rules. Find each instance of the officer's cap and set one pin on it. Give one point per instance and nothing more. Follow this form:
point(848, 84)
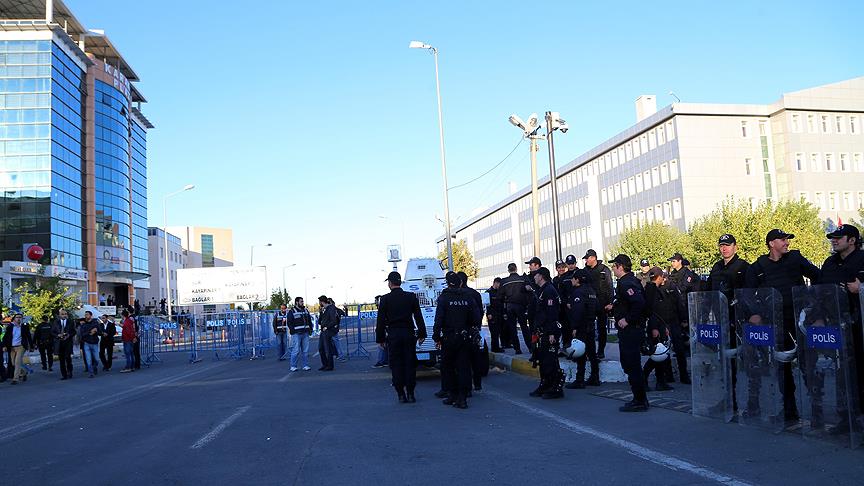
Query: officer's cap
point(544, 272)
point(580, 274)
point(622, 259)
point(559, 263)
point(394, 277)
point(570, 260)
point(534, 260)
point(644, 262)
point(589, 253)
point(727, 239)
point(777, 234)
point(655, 272)
point(844, 230)
point(453, 279)
point(676, 256)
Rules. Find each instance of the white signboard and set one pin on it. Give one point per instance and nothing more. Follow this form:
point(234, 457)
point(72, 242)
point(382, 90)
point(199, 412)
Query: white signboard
point(221, 285)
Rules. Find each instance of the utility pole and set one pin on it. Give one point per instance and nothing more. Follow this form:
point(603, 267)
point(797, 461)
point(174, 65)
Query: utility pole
point(554, 122)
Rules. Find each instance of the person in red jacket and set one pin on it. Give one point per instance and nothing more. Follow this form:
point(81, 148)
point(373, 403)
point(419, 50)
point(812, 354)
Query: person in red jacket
point(130, 337)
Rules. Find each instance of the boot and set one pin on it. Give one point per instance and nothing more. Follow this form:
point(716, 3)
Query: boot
point(540, 390)
point(682, 370)
point(410, 396)
point(576, 384)
point(448, 401)
point(557, 390)
point(461, 402)
point(442, 394)
point(634, 406)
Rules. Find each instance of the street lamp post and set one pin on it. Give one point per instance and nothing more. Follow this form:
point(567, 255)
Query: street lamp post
point(306, 287)
point(252, 253)
point(554, 122)
point(530, 129)
point(284, 287)
point(422, 45)
point(188, 187)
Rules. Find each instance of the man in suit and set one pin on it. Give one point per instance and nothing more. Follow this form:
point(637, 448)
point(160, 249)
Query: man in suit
point(63, 330)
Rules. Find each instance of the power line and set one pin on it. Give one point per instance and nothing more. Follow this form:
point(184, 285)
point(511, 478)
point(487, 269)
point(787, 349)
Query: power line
point(490, 170)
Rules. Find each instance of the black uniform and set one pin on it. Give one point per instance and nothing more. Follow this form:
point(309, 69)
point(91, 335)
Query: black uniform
point(45, 343)
point(456, 315)
point(581, 305)
point(495, 320)
point(516, 300)
point(546, 353)
point(629, 304)
point(400, 324)
point(601, 278)
point(841, 271)
point(727, 278)
point(477, 352)
point(562, 285)
point(328, 321)
point(63, 332)
point(106, 345)
point(787, 272)
point(665, 313)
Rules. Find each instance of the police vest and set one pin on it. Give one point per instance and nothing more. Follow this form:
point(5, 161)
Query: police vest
point(300, 323)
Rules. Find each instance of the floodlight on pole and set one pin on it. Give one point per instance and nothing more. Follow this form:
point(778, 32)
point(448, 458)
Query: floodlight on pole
point(187, 187)
point(530, 129)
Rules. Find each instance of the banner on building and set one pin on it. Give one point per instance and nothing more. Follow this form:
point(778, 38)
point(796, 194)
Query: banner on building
point(221, 285)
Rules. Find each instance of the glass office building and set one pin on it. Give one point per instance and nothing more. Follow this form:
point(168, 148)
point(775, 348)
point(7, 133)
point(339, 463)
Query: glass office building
point(72, 155)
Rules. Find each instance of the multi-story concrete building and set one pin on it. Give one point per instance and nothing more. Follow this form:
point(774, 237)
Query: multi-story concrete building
point(177, 259)
point(73, 176)
point(677, 164)
point(202, 247)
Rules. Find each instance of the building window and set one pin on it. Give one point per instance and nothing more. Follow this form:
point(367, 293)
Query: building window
point(858, 161)
point(747, 166)
point(664, 173)
point(667, 211)
point(796, 123)
point(763, 129)
point(628, 151)
point(803, 196)
point(661, 135)
point(815, 163)
point(819, 197)
point(839, 126)
point(631, 185)
point(639, 186)
point(670, 130)
point(860, 200)
point(853, 125)
point(829, 162)
point(800, 165)
point(649, 215)
point(606, 231)
point(646, 176)
point(620, 224)
point(207, 256)
point(823, 122)
point(655, 176)
point(744, 129)
point(811, 123)
point(614, 158)
point(617, 192)
point(652, 140)
point(603, 196)
point(832, 201)
point(643, 144)
point(636, 151)
point(625, 191)
point(627, 222)
point(673, 170)
point(641, 216)
point(847, 200)
point(676, 208)
point(844, 162)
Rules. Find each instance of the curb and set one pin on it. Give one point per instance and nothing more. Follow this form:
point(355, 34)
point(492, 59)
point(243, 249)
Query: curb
point(610, 371)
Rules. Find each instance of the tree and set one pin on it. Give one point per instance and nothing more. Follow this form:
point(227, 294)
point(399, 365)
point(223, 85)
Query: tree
point(463, 260)
point(749, 226)
point(655, 241)
point(42, 297)
point(277, 298)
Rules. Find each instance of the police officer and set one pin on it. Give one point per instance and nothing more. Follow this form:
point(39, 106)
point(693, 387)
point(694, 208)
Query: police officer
point(845, 267)
point(682, 277)
point(665, 313)
point(601, 278)
point(628, 308)
point(477, 353)
point(45, 343)
point(581, 305)
point(561, 281)
point(781, 269)
point(453, 333)
point(547, 337)
point(400, 325)
point(515, 298)
point(726, 276)
point(495, 317)
point(645, 266)
point(280, 328)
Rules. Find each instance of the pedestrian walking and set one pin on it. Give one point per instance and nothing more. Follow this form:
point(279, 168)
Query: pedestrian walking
point(383, 356)
point(280, 329)
point(17, 340)
point(300, 328)
point(328, 322)
point(45, 342)
point(628, 310)
point(106, 344)
point(89, 332)
point(129, 336)
point(455, 314)
point(338, 349)
point(400, 327)
point(601, 278)
point(63, 330)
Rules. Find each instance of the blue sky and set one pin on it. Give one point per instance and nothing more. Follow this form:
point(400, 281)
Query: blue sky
point(300, 123)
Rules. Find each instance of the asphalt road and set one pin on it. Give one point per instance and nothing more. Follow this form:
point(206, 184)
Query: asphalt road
point(243, 422)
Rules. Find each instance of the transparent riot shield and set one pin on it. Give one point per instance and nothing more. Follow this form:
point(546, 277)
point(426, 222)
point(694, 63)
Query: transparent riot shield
point(710, 354)
point(759, 328)
point(828, 389)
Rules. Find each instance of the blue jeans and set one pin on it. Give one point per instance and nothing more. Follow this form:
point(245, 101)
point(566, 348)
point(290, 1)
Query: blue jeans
point(91, 357)
point(337, 345)
point(281, 337)
point(299, 346)
point(128, 351)
point(383, 356)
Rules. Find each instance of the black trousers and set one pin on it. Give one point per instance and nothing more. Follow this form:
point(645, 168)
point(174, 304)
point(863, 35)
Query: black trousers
point(136, 355)
point(515, 313)
point(106, 352)
point(586, 335)
point(550, 370)
point(4, 371)
point(456, 366)
point(46, 353)
point(64, 351)
point(495, 323)
point(402, 346)
point(325, 349)
point(629, 344)
point(602, 322)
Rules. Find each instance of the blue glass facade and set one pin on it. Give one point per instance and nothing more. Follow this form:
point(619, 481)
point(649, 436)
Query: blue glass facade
point(41, 91)
point(113, 184)
point(139, 199)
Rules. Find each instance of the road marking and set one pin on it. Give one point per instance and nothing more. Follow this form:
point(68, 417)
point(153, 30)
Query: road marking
point(38, 423)
point(287, 377)
point(219, 428)
point(637, 450)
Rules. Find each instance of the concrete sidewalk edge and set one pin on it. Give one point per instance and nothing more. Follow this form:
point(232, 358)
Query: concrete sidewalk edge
point(610, 371)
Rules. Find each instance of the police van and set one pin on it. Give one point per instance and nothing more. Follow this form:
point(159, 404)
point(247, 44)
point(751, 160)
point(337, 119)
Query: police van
point(424, 277)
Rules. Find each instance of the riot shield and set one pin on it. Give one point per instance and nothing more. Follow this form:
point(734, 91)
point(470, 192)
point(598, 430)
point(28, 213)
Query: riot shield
point(828, 389)
point(759, 328)
point(710, 354)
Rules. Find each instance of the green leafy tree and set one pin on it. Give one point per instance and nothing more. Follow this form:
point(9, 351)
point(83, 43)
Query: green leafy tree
point(277, 298)
point(655, 241)
point(42, 297)
point(750, 225)
point(463, 260)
